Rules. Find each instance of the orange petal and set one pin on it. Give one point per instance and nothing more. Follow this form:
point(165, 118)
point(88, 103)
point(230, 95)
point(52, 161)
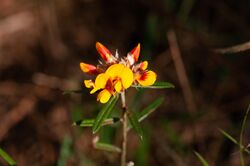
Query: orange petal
point(146, 78)
point(103, 51)
point(135, 52)
point(143, 65)
point(87, 68)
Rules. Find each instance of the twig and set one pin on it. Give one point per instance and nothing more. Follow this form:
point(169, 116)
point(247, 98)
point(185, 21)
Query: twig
point(19, 22)
point(53, 41)
point(124, 130)
point(233, 49)
point(24, 107)
point(181, 72)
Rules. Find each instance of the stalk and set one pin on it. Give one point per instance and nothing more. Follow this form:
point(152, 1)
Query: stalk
point(124, 129)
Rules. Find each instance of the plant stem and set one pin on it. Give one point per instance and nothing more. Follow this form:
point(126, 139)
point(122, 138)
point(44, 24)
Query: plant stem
point(124, 130)
point(241, 137)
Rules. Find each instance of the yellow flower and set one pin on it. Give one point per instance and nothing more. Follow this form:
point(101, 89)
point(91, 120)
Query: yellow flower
point(116, 74)
point(116, 79)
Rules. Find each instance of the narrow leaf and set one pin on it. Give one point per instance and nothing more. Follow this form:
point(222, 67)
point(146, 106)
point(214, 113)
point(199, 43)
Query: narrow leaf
point(228, 136)
point(135, 123)
point(202, 160)
point(103, 114)
point(65, 151)
point(7, 157)
point(90, 122)
point(157, 85)
point(107, 147)
point(243, 126)
point(150, 108)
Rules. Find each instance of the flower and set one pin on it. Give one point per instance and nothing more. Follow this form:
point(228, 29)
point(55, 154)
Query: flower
point(115, 79)
point(115, 74)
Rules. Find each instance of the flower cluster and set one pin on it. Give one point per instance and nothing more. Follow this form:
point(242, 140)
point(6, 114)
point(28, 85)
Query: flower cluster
point(115, 74)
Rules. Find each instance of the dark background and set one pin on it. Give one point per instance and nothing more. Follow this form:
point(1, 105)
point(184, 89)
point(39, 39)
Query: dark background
point(42, 43)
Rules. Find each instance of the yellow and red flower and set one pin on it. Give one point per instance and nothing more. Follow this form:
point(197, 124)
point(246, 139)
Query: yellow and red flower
point(116, 74)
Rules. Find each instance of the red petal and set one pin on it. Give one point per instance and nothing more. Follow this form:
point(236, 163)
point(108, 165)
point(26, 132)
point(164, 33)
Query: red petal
point(87, 68)
point(136, 52)
point(103, 51)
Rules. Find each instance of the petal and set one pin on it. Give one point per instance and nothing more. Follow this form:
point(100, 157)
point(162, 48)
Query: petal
point(104, 52)
point(127, 77)
point(115, 70)
point(94, 90)
point(101, 80)
point(89, 83)
point(118, 86)
point(146, 78)
point(87, 68)
point(143, 65)
point(104, 96)
point(134, 54)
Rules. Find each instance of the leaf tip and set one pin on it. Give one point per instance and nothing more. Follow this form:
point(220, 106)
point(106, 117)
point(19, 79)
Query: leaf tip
point(76, 123)
point(115, 119)
point(141, 137)
point(94, 130)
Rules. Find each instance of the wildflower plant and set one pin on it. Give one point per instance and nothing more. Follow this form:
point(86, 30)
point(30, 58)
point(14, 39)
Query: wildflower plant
point(113, 76)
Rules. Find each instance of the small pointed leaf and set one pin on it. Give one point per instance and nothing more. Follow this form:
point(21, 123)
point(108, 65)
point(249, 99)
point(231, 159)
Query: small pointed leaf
point(150, 108)
point(90, 122)
point(157, 85)
point(104, 113)
point(228, 136)
point(135, 123)
point(202, 160)
point(7, 157)
point(243, 126)
point(107, 147)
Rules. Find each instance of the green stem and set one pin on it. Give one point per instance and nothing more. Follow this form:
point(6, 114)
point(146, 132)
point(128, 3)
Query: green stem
point(241, 137)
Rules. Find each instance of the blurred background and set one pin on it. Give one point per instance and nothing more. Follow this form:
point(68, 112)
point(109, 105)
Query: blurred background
point(42, 43)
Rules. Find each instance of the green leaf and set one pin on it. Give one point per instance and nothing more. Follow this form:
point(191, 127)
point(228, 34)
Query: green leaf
point(157, 85)
point(72, 91)
point(107, 147)
point(150, 108)
point(7, 157)
point(90, 122)
point(135, 104)
point(243, 126)
point(65, 151)
point(228, 136)
point(202, 160)
point(134, 121)
point(142, 155)
point(104, 113)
